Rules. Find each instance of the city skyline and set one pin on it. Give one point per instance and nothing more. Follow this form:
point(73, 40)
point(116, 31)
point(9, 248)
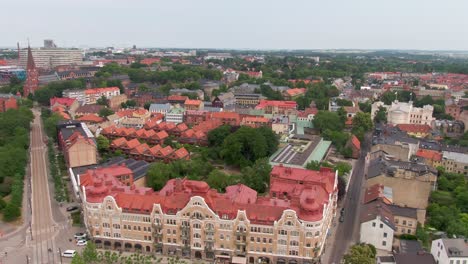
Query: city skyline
point(242, 25)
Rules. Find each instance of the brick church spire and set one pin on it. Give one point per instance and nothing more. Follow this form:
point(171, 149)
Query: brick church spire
point(32, 78)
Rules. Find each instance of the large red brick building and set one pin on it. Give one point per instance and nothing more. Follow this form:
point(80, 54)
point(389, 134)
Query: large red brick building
point(32, 76)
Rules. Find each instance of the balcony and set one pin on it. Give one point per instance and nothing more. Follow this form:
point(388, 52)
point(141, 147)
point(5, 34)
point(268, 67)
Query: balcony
point(185, 227)
point(209, 248)
point(209, 238)
point(241, 232)
point(241, 242)
point(209, 231)
point(157, 233)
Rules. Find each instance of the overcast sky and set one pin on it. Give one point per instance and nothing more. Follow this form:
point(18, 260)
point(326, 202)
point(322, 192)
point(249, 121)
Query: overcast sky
point(240, 24)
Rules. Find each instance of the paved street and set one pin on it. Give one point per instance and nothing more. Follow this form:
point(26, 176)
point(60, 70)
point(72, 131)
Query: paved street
point(347, 233)
point(43, 224)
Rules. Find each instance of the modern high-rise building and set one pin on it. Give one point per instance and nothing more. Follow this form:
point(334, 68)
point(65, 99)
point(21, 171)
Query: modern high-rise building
point(47, 58)
point(49, 44)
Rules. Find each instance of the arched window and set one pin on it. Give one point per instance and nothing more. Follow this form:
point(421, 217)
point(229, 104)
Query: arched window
point(294, 243)
point(196, 235)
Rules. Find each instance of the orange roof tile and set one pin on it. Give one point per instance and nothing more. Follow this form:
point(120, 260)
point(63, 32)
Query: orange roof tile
point(91, 118)
point(429, 154)
point(193, 102)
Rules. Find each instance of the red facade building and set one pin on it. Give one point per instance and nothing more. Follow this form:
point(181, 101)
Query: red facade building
point(32, 76)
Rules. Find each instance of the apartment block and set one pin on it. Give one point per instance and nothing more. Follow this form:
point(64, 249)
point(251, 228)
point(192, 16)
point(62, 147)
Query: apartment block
point(187, 218)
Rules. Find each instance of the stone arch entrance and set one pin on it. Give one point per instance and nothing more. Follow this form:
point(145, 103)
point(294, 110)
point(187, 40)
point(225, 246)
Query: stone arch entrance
point(117, 245)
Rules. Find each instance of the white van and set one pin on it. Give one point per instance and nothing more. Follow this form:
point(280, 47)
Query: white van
point(70, 253)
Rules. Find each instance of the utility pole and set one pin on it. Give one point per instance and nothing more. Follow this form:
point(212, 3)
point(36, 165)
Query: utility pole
point(27, 259)
point(60, 253)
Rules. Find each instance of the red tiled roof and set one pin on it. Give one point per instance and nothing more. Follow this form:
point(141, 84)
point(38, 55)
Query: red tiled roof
point(351, 109)
point(308, 111)
point(101, 90)
point(161, 135)
point(356, 143)
point(132, 143)
point(225, 115)
point(91, 118)
point(429, 154)
point(118, 142)
point(166, 151)
point(63, 101)
point(154, 149)
point(181, 127)
point(64, 115)
point(177, 98)
point(256, 119)
point(281, 104)
point(296, 91)
point(180, 153)
point(414, 128)
point(309, 200)
point(149, 61)
point(140, 149)
point(193, 102)
point(375, 192)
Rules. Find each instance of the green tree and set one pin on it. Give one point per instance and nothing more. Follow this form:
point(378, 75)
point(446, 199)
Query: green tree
point(381, 115)
point(90, 254)
point(50, 125)
point(105, 112)
point(257, 176)
point(103, 101)
point(78, 259)
point(342, 168)
point(366, 107)
point(244, 147)
point(216, 136)
point(361, 254)
point(362, 123)
point(102, 144)
point(324, 120)
point(313, 165)
point(218, 180)
point(158, 174)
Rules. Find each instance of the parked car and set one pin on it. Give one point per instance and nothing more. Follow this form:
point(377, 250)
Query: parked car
point(80, 236)
point(72, 208)
point(82, 242)
point(341, 218)
point(342, 211)
point(69, 253)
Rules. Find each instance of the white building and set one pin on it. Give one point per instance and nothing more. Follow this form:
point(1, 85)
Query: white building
point(160, 108)
point(405, 113)
point(50, 58)
point(175, 115)
point(450, 251)
point(79, 95)
point(377, 227)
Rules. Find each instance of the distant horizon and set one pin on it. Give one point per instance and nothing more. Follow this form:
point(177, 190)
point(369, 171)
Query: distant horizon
point(239, 49)
point(426, 25)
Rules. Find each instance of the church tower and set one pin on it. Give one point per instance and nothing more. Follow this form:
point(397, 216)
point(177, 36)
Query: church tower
point(32, 76)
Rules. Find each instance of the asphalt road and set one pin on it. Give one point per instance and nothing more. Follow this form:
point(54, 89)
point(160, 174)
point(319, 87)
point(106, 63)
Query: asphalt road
point(43, 224)
point(347, 232)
